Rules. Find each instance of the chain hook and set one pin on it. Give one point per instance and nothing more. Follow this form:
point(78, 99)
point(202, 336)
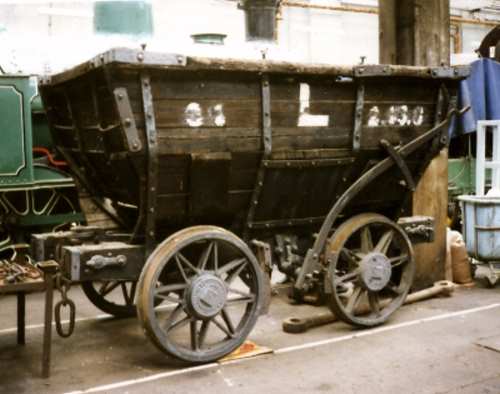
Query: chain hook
point(63, 285)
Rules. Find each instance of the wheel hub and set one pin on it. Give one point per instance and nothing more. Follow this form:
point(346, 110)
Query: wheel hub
point(375, 271)
point(206, 296)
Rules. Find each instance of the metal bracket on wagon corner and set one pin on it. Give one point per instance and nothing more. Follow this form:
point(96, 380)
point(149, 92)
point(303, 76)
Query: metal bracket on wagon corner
point(127, 120)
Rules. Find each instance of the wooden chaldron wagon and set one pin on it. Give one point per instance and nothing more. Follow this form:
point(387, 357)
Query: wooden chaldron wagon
point(216, 171)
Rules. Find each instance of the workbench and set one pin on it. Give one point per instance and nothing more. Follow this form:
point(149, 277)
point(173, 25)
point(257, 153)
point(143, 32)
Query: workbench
point(45, 284)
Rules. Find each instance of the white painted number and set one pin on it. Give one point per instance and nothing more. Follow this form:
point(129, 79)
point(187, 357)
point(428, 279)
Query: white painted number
point(306, 119)
point(396, 115)
point(214, 115)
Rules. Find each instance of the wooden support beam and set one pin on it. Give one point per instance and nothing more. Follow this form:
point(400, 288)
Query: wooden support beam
point(417, 32)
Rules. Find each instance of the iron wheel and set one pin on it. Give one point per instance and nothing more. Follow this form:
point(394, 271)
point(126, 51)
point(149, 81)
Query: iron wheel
point(371, 269)
point(214, 301)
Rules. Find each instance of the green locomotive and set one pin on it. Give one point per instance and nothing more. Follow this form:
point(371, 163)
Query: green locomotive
point(36, 193)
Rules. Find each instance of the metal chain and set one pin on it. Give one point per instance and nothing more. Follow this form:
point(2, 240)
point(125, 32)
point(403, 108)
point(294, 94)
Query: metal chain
point(63, 285)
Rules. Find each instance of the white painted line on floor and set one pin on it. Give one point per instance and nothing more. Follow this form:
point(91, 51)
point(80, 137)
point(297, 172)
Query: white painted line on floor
point(80, 319)
point(386, 328)
point(289, 349)
point(35, 326)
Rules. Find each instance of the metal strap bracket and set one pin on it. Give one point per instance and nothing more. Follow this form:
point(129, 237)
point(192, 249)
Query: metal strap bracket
point(266, 115)
point(267, 143)
point(127, 120)
point(149, 203)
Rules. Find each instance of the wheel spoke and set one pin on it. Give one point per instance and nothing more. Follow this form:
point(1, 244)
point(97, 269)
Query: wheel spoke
point(231, 265)
point(216, 256)
point(374, 302)
point(347, 277)
point(123, 286)
point(241, 300)
point(179, 324)
point(222, 328)
point(170, 288)
point(354, 300)
point(204, 256)
point(395, 261)
point(351, 256)
point(227, 320)
point(366, 240)
point(171, 319)
point(108, 287)
point(187, 262)
point(194, 334)
point(168, 297)
point(103, 287)
point(395, 289)
point(203, 332)
point(236, 273)
point(384, 242)
point(133, 288)
point(181, 269)
point(240, 292)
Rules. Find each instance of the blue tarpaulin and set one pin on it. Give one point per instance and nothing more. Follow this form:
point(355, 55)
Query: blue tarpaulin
point(481, 90)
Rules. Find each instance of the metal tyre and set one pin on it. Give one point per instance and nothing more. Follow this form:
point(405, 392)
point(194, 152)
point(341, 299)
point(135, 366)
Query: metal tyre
point(212, 288)
point(371, 269)
point(113, 297)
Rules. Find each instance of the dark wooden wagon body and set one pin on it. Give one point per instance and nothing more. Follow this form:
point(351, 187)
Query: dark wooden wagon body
point(271, 151)
point(210, 136)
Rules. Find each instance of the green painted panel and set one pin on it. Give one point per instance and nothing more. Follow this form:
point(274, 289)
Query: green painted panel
point(123, 17)
point(462, 176)
point(15, 130)
point(48, 174)
point(41, 131)
point(12, 149)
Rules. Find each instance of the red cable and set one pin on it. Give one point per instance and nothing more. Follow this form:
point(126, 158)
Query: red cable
point(46, 152)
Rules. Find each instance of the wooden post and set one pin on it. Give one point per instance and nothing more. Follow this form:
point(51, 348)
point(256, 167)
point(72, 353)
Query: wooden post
point(417, 32)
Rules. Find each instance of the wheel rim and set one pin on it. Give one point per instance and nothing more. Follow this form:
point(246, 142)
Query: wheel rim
point(371, 269)
point(211, 291)
point(113, 297)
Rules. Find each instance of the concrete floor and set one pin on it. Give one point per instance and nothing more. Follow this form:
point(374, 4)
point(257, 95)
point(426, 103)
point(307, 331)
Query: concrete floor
point(429, 347)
